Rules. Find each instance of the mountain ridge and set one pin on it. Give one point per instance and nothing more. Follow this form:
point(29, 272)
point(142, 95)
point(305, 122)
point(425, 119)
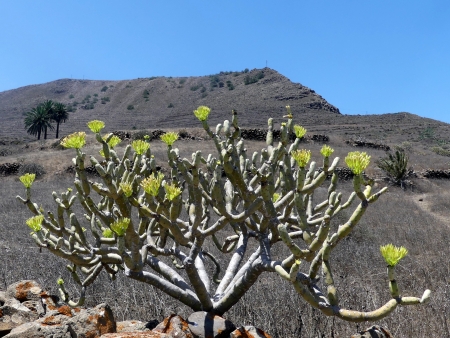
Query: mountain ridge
point(168, 102)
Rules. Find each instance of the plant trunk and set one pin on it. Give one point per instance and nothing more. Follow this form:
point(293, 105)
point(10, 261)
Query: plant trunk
point(57, 129)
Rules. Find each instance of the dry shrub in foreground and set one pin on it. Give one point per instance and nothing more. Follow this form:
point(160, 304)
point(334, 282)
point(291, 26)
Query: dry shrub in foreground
point(136, 223)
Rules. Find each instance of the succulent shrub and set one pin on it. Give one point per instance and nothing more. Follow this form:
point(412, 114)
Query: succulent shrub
point(395, 166)
point(158, 229)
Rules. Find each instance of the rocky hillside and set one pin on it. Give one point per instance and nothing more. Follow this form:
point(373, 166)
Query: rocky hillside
point(166, 102)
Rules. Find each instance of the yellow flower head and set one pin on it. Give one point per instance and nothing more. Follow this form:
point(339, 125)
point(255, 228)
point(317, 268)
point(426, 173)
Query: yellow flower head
point(392, 254)
point(140, 147)
point(113, 141)
point(357, 161)
point(96, 126)
point(127, 188)
point(35, 223)
point(76, 140)
point(172, 191)
point(169, 138)
point(326, 151)
point(302, 157)
point(299, 131)
point(60, 281)
point(108, 233)
point(275, 197)
point(120, 226)
point(202, 113)
point(27, 179)
point(151, 184)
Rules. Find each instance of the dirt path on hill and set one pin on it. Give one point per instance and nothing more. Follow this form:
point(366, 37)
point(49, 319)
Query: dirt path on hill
point(424, 203)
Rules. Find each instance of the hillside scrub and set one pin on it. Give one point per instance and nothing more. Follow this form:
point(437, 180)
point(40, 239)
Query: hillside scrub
point(235, 205)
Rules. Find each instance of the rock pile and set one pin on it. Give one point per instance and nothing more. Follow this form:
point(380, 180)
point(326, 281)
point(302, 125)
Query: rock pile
point(9, 169)
point(320, 138)
point(343, 173)
point(122, 134)
point(361, 143)
point(431, 173)
point(27, 311)
point(89, 169)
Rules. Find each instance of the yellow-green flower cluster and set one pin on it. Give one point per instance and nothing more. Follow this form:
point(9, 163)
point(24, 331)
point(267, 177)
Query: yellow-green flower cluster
point(76, 140)
point(151, 184)
point(27, 179)
point(108, 233)
point(301, 156)
point(127, 188)
point(113, 141)
point(357, 161)
point(120, 226)
point(172, 191)
point(326, 151)
point(96, 126)
point(169, 138)
point(60, 281)
point(392, 254)
point(35, 223)
point(299, 131)
point(140, 147)
point(275, 197)
point(202, 113)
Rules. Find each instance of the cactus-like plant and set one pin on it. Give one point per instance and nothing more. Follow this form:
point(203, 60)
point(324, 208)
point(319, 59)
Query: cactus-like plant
point(137, 224)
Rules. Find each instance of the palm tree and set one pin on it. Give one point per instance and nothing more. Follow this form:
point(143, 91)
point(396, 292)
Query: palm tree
point(49, 107)
point(59, 115)
point(37, 120)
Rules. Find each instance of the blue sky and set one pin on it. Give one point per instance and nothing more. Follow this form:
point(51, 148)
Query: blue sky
point(365, 57)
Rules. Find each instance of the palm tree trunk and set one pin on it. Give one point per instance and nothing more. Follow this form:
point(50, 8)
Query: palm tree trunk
point(57, 129)
point(45, 133)
point(39, 135)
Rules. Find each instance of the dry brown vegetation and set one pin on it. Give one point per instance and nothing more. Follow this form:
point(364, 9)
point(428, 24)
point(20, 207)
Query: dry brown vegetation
point(418, 219)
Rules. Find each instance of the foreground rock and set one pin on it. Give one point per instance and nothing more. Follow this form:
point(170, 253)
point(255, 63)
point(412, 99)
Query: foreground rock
point(67, 323)
point(206, 325)
point(374, 332)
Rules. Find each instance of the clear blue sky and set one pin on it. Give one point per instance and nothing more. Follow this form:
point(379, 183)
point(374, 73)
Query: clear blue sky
point(363, 56)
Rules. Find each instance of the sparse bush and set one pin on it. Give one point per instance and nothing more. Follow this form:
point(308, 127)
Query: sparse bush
point(31, 168)
point(253, 79)
point(71, 96)
point(170, 105)
point(195, 87)
point(130, 107)
point(5, 152)
point(230, 85)
point(441, 151)
point(182, 81)
point(405, 146)
point(104, 89)
point(427, 134)
point(105, 99)
point(146, 94)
